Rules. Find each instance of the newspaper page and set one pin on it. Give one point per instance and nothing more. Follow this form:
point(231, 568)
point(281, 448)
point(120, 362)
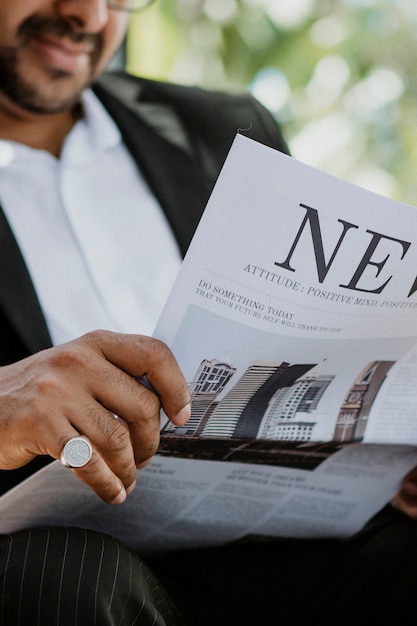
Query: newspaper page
point(294, 320)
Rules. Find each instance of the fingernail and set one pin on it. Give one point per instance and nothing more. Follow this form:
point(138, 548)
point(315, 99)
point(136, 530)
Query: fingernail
point(184, 415)
point(120, 498)
point(131, 488)
point(143, 464)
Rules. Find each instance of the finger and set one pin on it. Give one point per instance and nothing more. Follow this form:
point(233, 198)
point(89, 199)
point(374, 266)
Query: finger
point(99, 477)
point(111, 438)
point(124, 443)
point(96, 473)
point(134, 437)
point(406, 498)
point(79, 414)
point(406, 505)
point(43, 394)
point(144, 356)
point(144, 424)
point(114, 389)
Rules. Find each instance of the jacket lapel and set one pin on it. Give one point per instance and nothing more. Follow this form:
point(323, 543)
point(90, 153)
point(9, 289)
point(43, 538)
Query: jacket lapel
point(17, 295)
point(158, 144)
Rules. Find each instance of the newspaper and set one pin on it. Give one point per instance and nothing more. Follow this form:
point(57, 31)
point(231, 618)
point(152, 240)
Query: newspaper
point(294, 320)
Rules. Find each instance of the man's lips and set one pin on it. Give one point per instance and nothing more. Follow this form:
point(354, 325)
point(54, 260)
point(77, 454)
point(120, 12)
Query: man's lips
point(63, 54)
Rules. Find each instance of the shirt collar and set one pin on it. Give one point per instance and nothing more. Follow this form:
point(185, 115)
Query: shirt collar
point(93, 133)
point(103, 130)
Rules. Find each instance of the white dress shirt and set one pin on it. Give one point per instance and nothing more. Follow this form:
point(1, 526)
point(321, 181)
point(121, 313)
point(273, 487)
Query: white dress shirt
point(96, 242)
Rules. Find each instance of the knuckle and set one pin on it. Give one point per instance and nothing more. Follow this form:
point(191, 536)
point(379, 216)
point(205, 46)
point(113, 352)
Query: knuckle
point(150, 407)
point(158, 351)
point(118, 440)
point(147, 450)
point(96, 337)
point(48, 384)
point(69, 356)
point(34, 405)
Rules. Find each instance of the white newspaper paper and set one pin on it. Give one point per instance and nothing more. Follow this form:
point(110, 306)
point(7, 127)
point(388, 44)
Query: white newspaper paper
point(294, 319)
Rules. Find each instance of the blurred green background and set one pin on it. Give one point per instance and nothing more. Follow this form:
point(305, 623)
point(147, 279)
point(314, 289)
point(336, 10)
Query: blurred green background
point(340, 75)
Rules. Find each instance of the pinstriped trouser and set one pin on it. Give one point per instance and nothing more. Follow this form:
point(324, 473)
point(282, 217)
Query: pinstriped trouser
point(77, 577)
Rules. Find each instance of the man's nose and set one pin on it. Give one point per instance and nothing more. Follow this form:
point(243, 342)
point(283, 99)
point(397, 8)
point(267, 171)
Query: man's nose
point(90, 16)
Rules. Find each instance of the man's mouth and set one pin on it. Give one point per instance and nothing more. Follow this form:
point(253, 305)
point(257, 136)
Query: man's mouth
point(63, 54)
point(61, 49)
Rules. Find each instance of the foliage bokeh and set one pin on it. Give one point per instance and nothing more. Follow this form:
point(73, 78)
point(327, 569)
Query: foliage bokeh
point(339, 75)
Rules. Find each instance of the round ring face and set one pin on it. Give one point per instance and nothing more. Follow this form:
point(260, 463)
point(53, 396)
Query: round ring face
point(76, 452)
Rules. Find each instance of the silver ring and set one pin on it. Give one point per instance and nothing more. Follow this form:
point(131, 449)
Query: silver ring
point(76, 452)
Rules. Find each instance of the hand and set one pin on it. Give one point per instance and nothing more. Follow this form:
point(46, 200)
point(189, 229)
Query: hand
point(406, 498)
point(77, 389)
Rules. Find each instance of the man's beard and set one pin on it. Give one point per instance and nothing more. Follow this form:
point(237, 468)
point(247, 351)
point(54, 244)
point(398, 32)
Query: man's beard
point(20, 90)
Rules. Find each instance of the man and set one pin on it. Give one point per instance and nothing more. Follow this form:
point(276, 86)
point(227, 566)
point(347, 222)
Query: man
point(101, 190)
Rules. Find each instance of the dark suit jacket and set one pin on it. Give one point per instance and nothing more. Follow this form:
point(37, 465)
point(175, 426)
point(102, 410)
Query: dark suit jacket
point(179, 136)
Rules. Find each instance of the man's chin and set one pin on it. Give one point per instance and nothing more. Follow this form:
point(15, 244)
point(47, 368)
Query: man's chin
point(48, 98)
